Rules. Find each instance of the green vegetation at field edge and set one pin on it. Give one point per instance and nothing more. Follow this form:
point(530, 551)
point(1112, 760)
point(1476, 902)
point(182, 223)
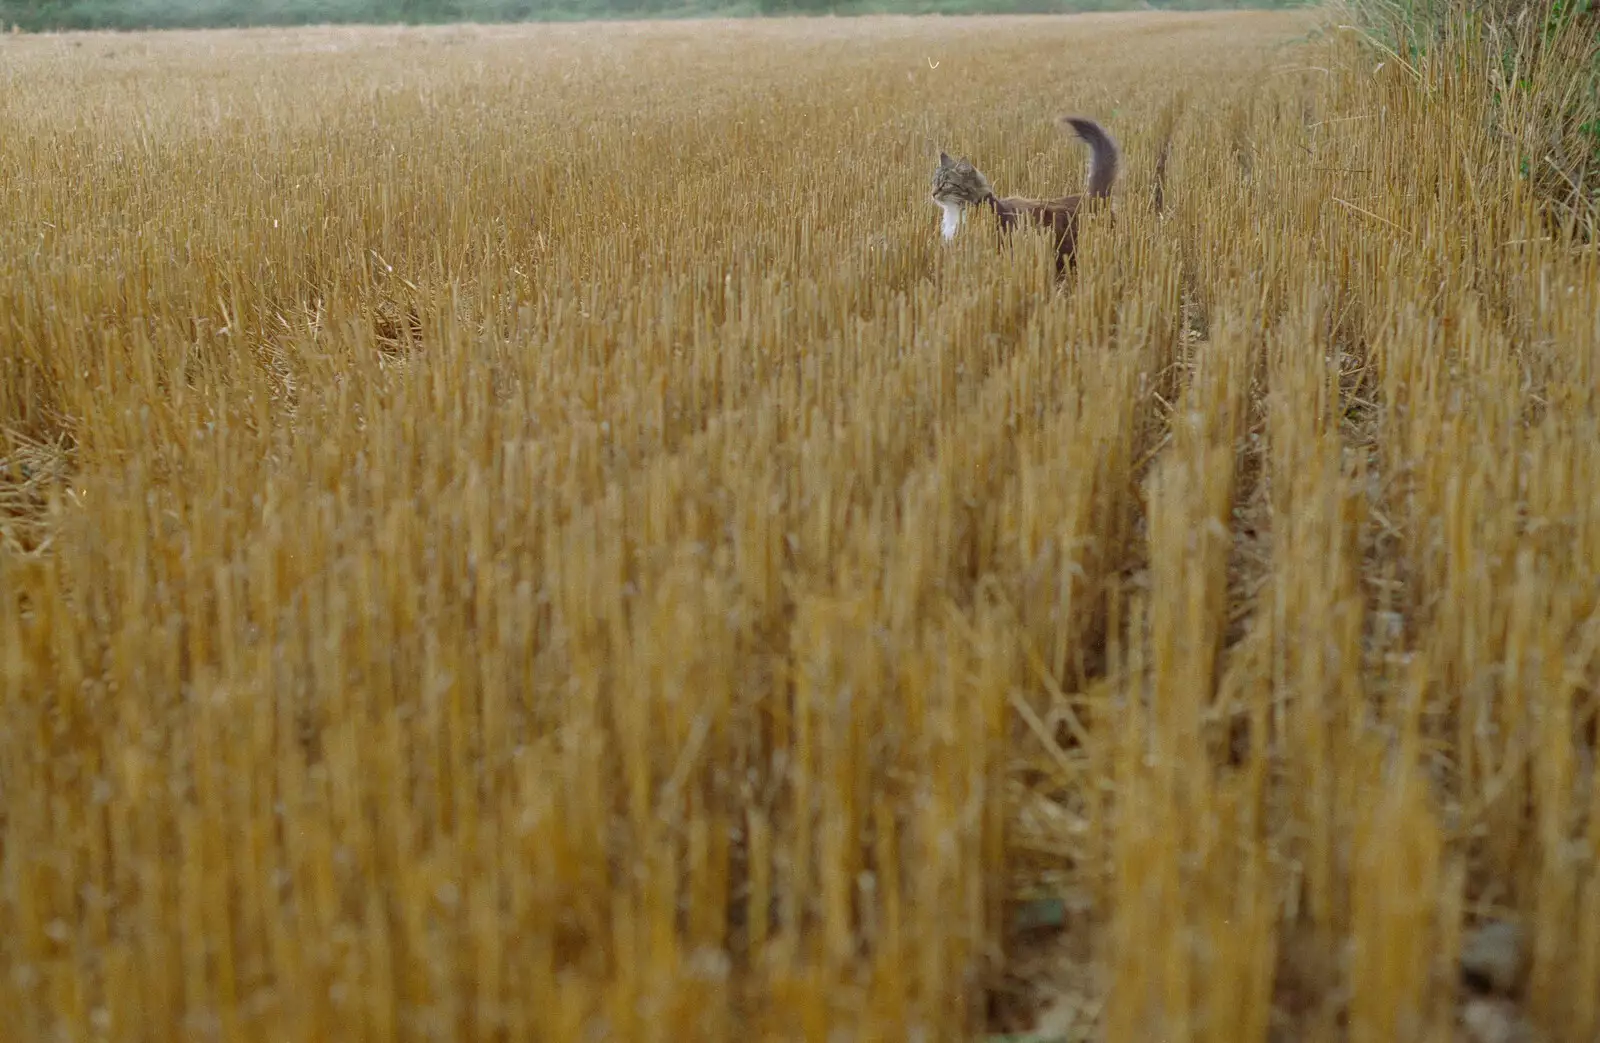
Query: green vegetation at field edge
point(51, 15)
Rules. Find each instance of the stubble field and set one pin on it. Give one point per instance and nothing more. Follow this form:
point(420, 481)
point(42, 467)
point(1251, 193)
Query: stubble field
point(527, 534)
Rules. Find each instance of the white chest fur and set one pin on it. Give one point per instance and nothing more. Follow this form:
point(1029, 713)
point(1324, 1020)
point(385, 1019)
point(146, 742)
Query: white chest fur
point(952, 219)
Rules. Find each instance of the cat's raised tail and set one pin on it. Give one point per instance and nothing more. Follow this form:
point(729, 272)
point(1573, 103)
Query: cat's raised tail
point(1103, 165)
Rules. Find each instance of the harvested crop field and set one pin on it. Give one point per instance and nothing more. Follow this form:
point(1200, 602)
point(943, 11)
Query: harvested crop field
point(529, 534)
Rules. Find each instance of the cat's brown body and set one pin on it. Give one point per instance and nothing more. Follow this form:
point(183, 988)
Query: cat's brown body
point(958, 186)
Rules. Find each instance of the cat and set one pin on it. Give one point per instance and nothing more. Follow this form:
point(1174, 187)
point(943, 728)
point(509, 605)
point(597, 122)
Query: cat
point(958, 185)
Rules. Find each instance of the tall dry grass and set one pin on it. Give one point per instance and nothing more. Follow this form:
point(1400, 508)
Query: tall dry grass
point(526, 534)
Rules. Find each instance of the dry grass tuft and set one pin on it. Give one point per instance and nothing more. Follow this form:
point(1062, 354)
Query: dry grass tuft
point(527, 534)
point(30, 471)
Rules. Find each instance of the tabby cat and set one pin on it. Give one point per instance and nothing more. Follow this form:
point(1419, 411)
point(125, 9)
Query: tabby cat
point(958, 185)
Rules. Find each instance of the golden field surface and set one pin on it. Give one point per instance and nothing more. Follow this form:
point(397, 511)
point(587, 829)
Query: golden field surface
point(528, 534)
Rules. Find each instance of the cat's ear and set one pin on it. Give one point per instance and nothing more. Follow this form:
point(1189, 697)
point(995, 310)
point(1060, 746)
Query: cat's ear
point(945, 160)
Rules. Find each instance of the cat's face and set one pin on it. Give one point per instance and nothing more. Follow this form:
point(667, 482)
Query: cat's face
point(957, 182)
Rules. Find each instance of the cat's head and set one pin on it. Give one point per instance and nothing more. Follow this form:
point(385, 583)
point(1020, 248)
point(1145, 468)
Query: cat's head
point(958, 181)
